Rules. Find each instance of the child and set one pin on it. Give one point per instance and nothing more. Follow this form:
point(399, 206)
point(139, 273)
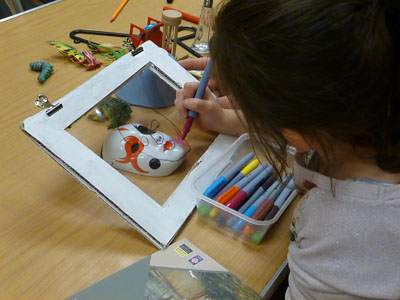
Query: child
point(323, 76)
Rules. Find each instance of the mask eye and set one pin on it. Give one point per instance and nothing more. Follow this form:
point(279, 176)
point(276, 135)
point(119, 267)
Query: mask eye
point(158, 138)
point(134, 147)
point(144, 140)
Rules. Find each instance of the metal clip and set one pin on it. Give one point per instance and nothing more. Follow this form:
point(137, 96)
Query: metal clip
point(43, 102)
point(137, 51)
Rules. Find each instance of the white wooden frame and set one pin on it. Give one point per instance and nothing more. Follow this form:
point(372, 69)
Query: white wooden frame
point(159, 223)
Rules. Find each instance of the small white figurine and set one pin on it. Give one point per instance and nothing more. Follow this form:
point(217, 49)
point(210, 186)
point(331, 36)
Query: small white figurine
point(137, 149)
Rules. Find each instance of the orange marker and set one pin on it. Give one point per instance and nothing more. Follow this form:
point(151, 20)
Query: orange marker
point(120, 7)
point(224, 198)
point(228, 194)
point(232, 191)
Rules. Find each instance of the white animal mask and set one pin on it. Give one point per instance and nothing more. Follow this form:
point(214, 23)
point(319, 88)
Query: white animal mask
point(137, 149)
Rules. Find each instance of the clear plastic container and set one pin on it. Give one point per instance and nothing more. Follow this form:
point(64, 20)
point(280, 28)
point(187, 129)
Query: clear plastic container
point(222, 217)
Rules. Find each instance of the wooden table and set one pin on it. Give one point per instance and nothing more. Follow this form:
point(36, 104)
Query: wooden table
point(56, 237)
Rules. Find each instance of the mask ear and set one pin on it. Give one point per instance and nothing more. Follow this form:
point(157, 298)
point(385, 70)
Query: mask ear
point(297, 140)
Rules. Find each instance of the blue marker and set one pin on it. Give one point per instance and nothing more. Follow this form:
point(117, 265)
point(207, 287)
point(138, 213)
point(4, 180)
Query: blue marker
point(270, 180)
point(224, 198)
point(253, 208)
point(280, 200)
point(238, 226)
point(267, 183)
point(243, 173)
point(239, 198)
point(218, 184)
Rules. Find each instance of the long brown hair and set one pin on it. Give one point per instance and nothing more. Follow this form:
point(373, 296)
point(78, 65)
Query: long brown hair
point(324, 68)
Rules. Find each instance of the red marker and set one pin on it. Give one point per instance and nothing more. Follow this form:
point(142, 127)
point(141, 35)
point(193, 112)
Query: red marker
point(239, 198)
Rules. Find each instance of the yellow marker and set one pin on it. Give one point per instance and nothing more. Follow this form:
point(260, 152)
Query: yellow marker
point(231, 190)
point(243, 173)
point(250, 167)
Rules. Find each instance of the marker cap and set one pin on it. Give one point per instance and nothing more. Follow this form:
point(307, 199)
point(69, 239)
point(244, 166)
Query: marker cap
point(213, 189)
point(250, 167)
point(225, 197)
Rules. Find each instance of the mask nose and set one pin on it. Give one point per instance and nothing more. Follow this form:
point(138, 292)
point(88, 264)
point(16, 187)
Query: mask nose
point(168, 145)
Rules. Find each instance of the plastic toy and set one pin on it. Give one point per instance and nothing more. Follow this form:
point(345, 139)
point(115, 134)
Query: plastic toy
point(151, 32)
point(87, 60)
point(114, 110)
point(137, 149)
point(90, 61)
point(44, 68)
point(107, 50)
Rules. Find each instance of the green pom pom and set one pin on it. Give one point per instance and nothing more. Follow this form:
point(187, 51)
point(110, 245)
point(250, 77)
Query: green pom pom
point(257, 236)
point(203, 209)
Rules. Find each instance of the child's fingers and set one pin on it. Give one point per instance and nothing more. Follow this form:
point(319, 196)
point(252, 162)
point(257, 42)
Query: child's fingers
point(189, 89)
point(200, 106)
point(179, 103)
point(194, 63)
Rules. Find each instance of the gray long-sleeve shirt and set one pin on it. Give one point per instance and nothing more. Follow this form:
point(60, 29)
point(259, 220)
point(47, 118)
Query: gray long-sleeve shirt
point(345, 239)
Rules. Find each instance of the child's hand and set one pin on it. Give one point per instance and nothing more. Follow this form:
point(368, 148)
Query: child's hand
point(214, 114)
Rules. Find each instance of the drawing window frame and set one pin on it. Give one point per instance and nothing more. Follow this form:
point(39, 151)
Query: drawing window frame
point(159, 223)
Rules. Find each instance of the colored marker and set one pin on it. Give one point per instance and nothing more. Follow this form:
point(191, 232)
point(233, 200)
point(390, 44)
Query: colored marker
point(218, 184)
point(266, 184)
point(242, 195)
point(280, 200)
point(199, 94)
point(222, 219)
point(257, 236)
point(225, 197)
point(253, 208)
point(238, 226)
point(244, 172)
point(233, 190)
point(267, 204)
